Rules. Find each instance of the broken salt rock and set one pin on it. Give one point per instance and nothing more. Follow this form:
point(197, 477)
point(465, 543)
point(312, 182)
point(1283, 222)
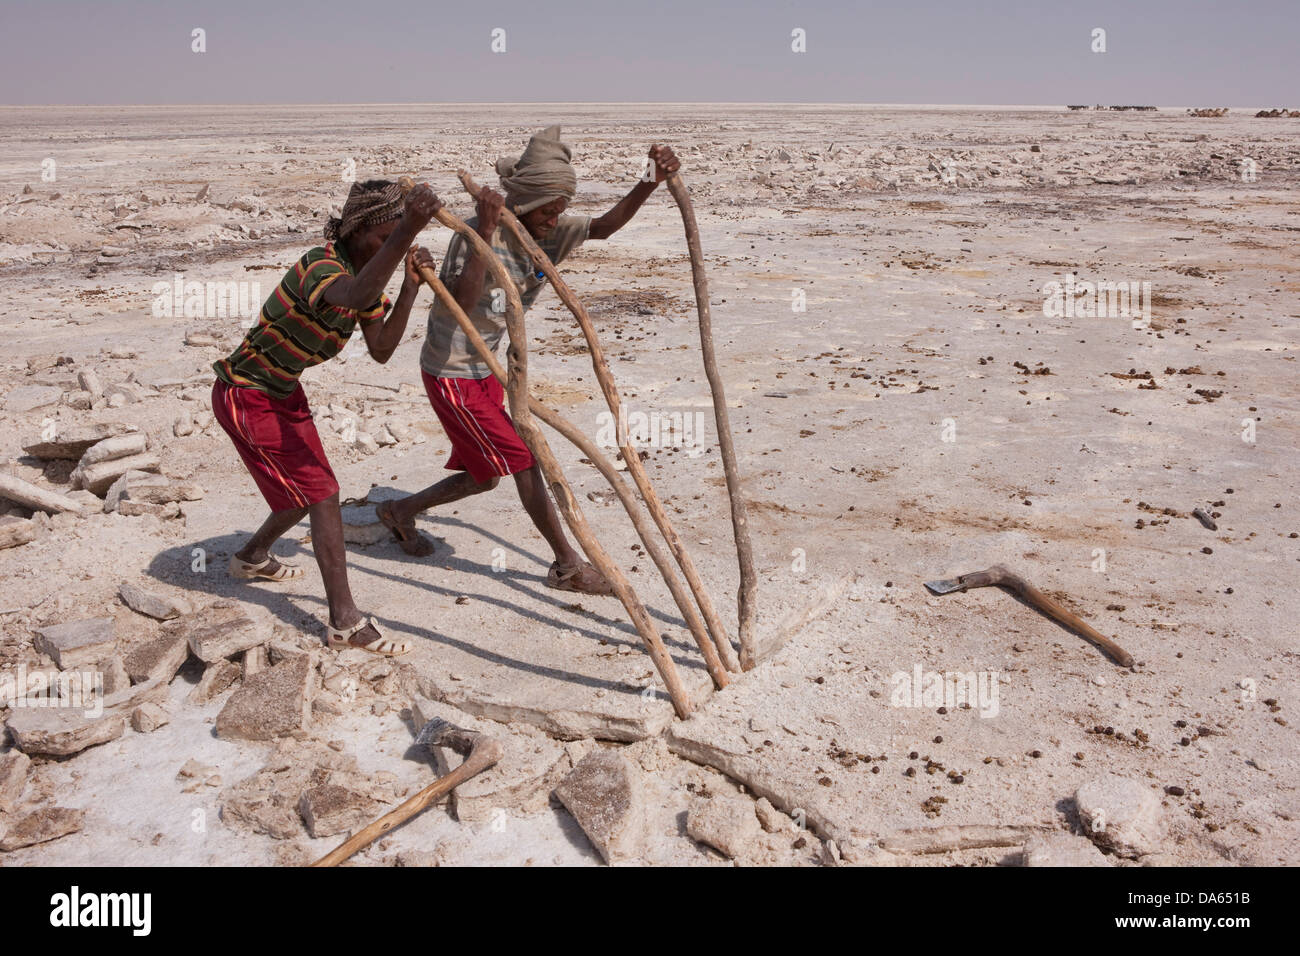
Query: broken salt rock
point(159, 659)
point(273, 703)
point(45, 825)
point(13, 778)
point(605, 795)
point(728, 824)
point(148, 717)
point(100, 476)
point(161, 607)
point(1121, 815)
point(77, 644)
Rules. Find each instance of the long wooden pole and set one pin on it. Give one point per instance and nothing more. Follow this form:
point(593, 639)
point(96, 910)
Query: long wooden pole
point(746, 596)
point(605, 467)
point(612, 398)
point(517, 395)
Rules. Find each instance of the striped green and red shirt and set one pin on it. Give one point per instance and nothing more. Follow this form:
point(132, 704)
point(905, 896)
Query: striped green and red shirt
point(297, 328)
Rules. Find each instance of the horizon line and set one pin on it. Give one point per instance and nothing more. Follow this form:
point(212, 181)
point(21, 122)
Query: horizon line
point(615, 103)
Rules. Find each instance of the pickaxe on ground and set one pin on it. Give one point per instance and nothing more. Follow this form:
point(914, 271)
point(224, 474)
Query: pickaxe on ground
point(999, 576)
point(480, 753)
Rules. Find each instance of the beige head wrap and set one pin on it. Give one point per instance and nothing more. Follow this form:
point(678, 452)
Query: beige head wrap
point(542, 174)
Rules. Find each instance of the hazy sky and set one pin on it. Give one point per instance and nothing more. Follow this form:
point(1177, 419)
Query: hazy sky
point(1159, 52)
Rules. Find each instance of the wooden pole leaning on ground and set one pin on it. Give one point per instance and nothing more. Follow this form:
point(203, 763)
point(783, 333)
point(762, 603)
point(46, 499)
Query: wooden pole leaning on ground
point(605, 467)
point(746, 597)
point(517, 394)
point(634, 467)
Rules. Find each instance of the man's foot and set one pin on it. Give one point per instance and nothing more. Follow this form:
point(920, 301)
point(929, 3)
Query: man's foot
point(366, 635)
point(267, 570)
point(581, 577)
point(413, 542)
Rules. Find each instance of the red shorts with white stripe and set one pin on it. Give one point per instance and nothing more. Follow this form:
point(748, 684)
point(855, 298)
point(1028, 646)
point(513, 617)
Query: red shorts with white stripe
point(483, 438)
point(278, 441)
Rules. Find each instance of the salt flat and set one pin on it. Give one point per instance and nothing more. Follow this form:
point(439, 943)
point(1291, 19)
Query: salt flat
point(905, 408)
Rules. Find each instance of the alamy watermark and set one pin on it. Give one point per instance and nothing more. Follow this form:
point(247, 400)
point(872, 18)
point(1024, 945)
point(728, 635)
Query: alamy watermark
point(685, 430)
point(72, 690)
point(977, 689)
point(207, 300)
point(1073, 297)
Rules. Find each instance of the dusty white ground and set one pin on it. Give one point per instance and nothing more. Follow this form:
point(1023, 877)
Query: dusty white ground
point(901, 428)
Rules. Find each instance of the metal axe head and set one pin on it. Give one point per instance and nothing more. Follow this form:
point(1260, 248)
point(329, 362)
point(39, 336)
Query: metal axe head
point(946, 586)
point(443, 733)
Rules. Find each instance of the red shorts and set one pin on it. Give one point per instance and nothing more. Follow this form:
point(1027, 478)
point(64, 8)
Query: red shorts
point(277, 440)
point(483, 438)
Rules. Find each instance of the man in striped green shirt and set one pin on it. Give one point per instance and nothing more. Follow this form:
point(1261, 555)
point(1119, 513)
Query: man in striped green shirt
point(297, 327)
point(260, 403)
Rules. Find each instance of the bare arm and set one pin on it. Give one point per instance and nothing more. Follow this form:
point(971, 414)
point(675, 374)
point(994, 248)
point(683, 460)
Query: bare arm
point(361, 290)
point(665, 163)
point(382, 338)
point(468, 287)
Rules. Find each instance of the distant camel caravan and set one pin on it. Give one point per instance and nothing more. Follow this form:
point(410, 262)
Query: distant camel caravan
point(1292, 114)
point(1209, 111)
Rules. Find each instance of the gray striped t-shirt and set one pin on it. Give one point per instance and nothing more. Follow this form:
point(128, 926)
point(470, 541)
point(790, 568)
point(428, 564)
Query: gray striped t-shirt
point(446, 352)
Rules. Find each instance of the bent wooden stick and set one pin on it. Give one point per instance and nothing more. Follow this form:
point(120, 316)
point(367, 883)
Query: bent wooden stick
point(1001, 576)
point(517, 394)
point(606, 468)
point(612, 398)
point(739, 519)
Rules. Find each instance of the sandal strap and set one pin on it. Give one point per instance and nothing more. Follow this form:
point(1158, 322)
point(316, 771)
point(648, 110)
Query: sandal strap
point(578, 571)
point(346, 632)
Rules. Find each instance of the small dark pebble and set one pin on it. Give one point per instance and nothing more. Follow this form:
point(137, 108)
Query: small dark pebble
point(1175, 791)
point(1035, 754)
point(938, 740)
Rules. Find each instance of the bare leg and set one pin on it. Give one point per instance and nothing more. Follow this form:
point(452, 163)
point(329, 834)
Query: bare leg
point(537, 502)
point(452, 488)
point(327, 542)
point(399, 516)
point(273, 528)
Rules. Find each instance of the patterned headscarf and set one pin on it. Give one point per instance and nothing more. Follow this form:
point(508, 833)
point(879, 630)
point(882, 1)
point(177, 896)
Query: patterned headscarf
point(542, 174)
point(369, 204)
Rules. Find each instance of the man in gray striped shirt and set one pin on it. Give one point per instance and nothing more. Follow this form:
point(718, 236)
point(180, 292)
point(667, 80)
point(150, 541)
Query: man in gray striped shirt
point(468, 400)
